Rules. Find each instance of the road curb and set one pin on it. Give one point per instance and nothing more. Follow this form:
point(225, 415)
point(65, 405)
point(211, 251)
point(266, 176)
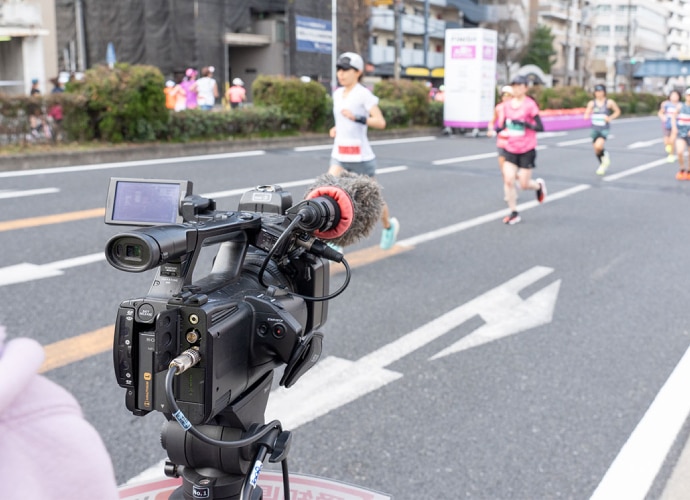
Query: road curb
point(133, 152)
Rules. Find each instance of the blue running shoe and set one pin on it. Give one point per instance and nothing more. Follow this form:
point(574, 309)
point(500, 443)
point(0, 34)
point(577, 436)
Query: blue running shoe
point(389, 236)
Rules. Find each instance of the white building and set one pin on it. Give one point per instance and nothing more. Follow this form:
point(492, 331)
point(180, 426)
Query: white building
point(570, 23)
point(27, 45)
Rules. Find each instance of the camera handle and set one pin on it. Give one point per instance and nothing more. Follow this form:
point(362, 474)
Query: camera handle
point(216, 472)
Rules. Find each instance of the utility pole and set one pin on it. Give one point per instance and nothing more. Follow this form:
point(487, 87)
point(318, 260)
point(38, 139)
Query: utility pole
point(398, 38)
point(81, 43)
point(566, 73)
point(426, 33)
point(334, 45)
point(629, 44)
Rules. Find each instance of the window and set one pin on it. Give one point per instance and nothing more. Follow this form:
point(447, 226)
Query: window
point(601, 50)
point(602, 29)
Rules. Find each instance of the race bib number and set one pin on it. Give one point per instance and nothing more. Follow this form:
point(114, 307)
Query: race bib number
point(515, 129)
point(350, 151)
point(599, 120)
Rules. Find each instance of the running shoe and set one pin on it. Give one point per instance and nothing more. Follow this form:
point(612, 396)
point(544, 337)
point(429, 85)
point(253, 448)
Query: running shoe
point(390, 235)
point(541, 192)
point(671, 158)
point(682, 175)
point(511, 219)
point(605, 162)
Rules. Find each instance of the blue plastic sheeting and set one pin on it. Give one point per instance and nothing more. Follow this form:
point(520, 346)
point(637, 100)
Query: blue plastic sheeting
point(662, 68)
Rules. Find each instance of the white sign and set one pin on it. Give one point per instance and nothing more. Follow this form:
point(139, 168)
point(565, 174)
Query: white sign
point(470, 77)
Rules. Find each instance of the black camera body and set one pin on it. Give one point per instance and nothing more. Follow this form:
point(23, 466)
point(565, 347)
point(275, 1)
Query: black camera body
point(251, 314)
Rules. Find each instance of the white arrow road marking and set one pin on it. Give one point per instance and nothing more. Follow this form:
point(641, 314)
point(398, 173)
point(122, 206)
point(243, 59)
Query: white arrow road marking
point(27, 192)
point(335, 382)
point(645, 144)
point(510, 315)
point(20, 273)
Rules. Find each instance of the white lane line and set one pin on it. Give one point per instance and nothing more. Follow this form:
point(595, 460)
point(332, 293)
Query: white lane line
point(634, 469)
point(382, 142)
point(482, 219)
point(28, 192)
point(461, 159)
point(482, 156)
point(635, 170)
point(129, 164)
point(27, 272)
point(573, 142)
point(548, 135)
point(581, 141)
point(645, 144)
point(289, 184)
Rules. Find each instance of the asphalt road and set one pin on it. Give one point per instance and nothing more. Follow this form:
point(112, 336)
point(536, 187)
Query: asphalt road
point(474, 360)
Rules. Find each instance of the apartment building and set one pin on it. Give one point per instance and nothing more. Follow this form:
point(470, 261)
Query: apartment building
point(27, 44)
point(418, 32)
point(570, 23)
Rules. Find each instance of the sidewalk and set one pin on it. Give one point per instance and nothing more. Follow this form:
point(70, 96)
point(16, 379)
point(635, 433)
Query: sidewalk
point(133, 152)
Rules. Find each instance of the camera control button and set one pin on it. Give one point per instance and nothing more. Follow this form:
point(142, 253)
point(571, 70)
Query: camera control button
point(145, 313)
point(279, 331)
point(262, 329)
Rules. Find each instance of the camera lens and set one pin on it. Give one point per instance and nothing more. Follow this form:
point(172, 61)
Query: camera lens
point(134, 252)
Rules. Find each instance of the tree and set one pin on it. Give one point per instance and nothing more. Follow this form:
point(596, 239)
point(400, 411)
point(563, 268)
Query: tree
point(540, 51)
point(353, 26)
point(510, 40)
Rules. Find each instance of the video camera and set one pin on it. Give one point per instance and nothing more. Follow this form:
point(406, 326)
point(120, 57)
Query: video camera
point(221, 336)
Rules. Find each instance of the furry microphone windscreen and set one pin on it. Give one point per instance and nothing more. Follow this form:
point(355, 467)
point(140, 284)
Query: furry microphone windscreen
point(367, 202)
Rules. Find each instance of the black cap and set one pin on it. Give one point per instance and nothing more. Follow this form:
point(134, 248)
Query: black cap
point(519, 80)
point(600, 87)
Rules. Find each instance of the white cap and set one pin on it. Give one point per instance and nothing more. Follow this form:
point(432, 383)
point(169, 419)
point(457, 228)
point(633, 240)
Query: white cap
point(687, 91)
point(349, 60)
point(507, 89)
point(237, 81)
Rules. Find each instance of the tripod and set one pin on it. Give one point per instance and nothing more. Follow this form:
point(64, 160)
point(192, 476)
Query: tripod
point(222, 460)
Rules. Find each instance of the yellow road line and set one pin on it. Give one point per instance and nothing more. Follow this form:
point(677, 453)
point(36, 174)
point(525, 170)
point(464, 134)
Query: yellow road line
point(52, 219)
point(73, 349)
point(64, 352)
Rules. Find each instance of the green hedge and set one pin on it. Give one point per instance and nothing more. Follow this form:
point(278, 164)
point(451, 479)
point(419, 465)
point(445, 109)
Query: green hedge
point(127, 103)
point(305, 100)
point(413, 95)
point(194, 124)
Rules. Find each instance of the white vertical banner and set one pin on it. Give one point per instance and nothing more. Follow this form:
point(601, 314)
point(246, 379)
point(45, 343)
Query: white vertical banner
point(470, 77)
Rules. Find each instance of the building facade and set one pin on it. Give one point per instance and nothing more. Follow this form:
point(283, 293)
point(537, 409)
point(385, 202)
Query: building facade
point(27, 43)
point(594, 40)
